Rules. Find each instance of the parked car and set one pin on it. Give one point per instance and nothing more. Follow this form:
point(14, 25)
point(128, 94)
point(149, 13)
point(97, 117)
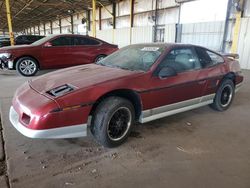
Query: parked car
point(138, 83)
point(20, 40)
point(27, 39)
point(4, 41)
point(55, 51)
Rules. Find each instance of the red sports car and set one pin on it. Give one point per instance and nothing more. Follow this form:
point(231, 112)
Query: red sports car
point(138, 83)
point(55, 51)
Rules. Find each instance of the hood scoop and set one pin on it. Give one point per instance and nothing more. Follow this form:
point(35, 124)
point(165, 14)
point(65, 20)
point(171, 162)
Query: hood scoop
point(61, 90)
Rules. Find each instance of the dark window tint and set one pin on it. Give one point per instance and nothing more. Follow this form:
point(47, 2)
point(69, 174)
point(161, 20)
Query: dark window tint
point(61, 41)
point(216, 59)
point(181, 59)
point(208, 58)
point(85, 41)
point(30, 38)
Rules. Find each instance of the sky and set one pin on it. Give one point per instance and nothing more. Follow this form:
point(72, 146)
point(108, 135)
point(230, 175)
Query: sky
point(203, 11)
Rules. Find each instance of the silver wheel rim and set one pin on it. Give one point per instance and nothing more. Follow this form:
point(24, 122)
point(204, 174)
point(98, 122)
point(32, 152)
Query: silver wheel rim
point(100, 58)
point(27, 67)
point(127, 124)
point(226, 95)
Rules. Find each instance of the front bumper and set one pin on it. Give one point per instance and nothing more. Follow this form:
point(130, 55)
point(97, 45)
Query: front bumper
point(6, 64)
point(73, 131)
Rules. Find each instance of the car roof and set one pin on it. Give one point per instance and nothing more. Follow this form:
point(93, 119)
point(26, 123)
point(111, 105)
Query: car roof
point(68, 34)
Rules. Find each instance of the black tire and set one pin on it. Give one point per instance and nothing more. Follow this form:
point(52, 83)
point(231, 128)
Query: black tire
point(112, 121)
point(27, 66)
point(99, 58)
point(224, 95)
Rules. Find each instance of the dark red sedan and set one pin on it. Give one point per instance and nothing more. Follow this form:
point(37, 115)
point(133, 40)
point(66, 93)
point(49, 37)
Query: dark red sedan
point(55, 51)
point(138, 83)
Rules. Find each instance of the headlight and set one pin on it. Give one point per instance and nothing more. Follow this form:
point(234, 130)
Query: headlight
point(5, 55)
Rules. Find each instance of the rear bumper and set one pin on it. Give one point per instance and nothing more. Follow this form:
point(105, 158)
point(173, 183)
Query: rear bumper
point(73, 131)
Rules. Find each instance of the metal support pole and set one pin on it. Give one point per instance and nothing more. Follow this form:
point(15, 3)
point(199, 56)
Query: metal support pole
point(88, 21)
point(60, 25)
point(39, 33)
point(51, 28)
point(9, 22)
point(44, 29)
point(131, 19)
point(236, 30)
point(34, 30)
point(156, 20)
point(72, 24)
point(226, 28)
point(100, 18)
point(114, 15)
point(114, 21)
point(94, 18)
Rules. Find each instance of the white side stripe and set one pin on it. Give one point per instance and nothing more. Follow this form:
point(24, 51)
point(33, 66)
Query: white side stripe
point(171, 109)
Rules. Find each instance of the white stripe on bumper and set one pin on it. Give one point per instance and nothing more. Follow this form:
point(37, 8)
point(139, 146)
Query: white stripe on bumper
point(74, 131)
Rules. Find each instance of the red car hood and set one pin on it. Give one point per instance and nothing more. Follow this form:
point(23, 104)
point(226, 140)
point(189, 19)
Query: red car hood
point(16, 47)
point(81, 77)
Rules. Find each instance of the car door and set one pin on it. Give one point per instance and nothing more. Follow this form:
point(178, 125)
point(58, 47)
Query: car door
point(57, 53)
point(179, 91)
point(85, 49)
point(212, 68)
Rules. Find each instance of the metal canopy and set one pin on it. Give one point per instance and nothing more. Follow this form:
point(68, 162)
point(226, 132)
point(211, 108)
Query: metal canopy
point(27, 13)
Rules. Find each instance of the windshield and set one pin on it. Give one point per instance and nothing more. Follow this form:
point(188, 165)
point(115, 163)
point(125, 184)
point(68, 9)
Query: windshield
point(135, 58)
point(43, 40)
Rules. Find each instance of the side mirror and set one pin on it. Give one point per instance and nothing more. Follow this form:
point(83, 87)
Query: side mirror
point(167, 72)
point(47, 45)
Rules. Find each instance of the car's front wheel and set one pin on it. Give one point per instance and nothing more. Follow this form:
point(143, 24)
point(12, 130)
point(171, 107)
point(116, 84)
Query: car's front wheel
point(224, 95)
point(112, 121)
point(27, 66)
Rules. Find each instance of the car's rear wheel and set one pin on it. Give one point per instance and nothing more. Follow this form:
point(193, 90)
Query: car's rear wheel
point(112, 121)
point(224, 95)
point(27, 66)
point(99, 58)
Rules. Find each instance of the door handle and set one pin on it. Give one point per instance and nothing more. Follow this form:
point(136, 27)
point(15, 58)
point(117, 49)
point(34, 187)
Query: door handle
point(202, 82)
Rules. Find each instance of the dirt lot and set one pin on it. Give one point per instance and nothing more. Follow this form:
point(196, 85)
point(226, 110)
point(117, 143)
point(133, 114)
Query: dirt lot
point(199, 148)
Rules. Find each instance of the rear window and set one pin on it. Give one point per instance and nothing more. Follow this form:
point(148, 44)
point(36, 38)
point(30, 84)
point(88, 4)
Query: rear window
point(208, 58)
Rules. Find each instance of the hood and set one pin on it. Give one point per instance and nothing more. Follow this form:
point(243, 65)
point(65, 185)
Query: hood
point(16, 47)
point(79, 77)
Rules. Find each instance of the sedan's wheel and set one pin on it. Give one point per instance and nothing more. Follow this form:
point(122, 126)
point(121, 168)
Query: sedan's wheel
point(112, 121)
point(224, 96)
point(99, 58)
point(27, 66)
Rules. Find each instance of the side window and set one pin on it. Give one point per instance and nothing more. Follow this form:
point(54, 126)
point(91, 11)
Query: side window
point(204, 58)
point(32, 38)
point(181, 59)
point(84, 41)
point(216, 59)
point(92, 41)
point(61, 41)
point(208, 58)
